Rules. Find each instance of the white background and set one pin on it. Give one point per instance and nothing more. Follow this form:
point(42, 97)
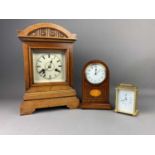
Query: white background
point(127, 106)
point(79, 145)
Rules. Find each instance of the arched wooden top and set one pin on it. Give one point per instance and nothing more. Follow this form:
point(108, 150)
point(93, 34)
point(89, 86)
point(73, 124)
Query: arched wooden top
point(96, 62)
point(46, 30)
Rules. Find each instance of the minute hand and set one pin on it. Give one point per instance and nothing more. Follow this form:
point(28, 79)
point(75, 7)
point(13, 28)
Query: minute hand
point(95, 71)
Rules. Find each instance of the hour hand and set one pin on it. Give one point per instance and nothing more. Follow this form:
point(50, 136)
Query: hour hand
point(95, 71)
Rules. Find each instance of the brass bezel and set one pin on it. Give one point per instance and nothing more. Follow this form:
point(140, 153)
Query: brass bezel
point(130, 87)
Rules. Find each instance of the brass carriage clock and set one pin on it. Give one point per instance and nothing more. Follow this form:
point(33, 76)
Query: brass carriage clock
point(48, 67)
point(127, 99)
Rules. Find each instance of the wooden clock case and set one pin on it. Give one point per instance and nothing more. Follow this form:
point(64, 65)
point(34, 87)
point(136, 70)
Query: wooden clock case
point(95, 101)
point(44, 95)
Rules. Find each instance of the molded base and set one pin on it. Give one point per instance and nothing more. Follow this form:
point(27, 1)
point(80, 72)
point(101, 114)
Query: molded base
point(29, 106)
point(104, 106)
point(132, 114)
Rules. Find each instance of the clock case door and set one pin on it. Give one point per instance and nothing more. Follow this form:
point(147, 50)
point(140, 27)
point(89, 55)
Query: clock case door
point(101, 101)
point(30, 47)
point(43, 95)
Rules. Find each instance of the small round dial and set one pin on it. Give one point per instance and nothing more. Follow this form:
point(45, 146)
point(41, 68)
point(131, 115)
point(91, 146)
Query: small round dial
point(48, 66)
point(95, 73)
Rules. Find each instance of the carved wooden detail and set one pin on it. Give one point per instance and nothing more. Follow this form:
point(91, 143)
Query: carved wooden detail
point(52, 94)
point(47, 32)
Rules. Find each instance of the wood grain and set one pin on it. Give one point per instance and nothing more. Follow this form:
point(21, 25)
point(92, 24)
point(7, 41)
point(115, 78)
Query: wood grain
point(93, 102)
point(28, 107)
point(49, 94)
point(41, 95)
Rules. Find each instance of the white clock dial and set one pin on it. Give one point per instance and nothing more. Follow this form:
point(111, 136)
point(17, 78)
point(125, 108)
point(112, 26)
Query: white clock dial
point(95, 73)
point(126, 100)
point(49, 66)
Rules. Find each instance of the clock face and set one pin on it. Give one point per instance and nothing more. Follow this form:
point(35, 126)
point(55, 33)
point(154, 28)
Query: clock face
point(49, 66)
point(95, 73)
point(126, 99)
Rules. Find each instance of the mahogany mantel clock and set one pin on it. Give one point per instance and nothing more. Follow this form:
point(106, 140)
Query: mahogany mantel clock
point(47, 50)
point(95, 85)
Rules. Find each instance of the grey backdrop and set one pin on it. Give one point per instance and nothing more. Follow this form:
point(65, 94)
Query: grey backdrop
point(127, 46)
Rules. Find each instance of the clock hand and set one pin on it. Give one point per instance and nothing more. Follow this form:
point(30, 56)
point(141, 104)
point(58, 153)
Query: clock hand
point(95, 71)
point(125, 97)
point(50, 63)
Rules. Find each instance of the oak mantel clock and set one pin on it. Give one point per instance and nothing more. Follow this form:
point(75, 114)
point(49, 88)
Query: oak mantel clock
point(95, 85)
point(47, 50)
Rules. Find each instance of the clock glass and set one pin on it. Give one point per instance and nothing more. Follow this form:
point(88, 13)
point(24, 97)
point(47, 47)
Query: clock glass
point(95, 73)
point(49, 65)
point(126, 100)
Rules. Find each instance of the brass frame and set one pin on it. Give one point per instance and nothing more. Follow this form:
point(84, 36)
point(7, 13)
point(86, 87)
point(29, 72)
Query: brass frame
point(130, 87)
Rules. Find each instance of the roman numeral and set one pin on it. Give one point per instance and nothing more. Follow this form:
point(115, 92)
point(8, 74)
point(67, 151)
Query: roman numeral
point(60, 66)
point(43, 57)
point(57, 70)
point(42, 71)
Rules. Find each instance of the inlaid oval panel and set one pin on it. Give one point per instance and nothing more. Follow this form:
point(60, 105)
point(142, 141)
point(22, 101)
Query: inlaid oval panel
point(95, 92)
